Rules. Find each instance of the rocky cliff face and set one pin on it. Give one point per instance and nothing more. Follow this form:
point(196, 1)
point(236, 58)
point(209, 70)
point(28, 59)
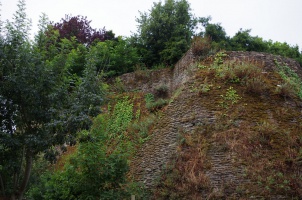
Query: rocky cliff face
point(231, 139)
point(148, 81)
point(265, 59)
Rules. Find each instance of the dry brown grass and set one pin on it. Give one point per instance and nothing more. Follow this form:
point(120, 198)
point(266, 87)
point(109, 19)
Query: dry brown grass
point(187, 177)
point(64, 157)
point(270, 153)
point(262, 131)
point(286, 90)
point(201, 46)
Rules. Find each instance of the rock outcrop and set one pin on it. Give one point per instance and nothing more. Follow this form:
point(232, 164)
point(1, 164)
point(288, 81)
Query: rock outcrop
point(184, 114)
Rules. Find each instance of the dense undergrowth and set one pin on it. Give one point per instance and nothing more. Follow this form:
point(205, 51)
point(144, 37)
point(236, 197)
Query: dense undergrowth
point(97, 168)
point(257, 123)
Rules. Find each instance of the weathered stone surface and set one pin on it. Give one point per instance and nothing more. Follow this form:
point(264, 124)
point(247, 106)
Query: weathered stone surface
point(183, 114)
point(265, 59)
point(156, 152)
point(147, 81)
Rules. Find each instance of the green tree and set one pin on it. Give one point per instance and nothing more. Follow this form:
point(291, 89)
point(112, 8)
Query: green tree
point(98, 168)
point(93, 172)
point(283, 49)
point(115, 57)
point(243, 41)
point(79, 27)
point(165, 33)
point(38, 109)
point(217, 34)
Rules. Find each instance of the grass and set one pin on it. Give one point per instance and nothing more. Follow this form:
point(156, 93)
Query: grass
point(153, 104)
point(186, 174)
point(201, 46)
point(292, 84)
point(260, 127)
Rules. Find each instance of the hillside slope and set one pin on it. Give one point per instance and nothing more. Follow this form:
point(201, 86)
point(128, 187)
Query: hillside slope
point(232, 128)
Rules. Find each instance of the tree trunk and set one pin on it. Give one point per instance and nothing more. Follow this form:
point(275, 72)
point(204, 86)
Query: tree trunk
point(2, 186)
point(28, 167)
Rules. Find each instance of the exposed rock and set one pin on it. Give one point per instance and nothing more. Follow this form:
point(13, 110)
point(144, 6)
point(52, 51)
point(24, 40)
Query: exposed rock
point(183, 114)
point(265, 59)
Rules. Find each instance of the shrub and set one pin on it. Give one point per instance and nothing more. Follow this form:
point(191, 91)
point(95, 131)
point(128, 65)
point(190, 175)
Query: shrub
point(255, 85)
point(141, 128)
point(98, 168)
point(149, 98)
point(201, 46)
point(230, 98)
point(162, 91)
point(219, 58)
point(119, 86)
point(153, 105)
point(238, 72)
point(91, 174)
point(292, 83)
point(286, 90)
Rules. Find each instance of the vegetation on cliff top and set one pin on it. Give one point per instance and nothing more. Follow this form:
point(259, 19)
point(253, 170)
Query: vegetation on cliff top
point(52, 89)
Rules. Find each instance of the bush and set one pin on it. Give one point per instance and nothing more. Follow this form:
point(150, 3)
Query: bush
point(255, 85)
point(153, 105)
point(91, 174)
point(98, 168)
point(292, 85)
point(286, 90)
point(162, 91)
point(201, 46)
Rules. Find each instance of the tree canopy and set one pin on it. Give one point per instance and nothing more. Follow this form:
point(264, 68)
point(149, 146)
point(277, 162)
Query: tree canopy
point(165, 33)
point(51, 89)
point(79, 27)
point(244, 41)
point(38, 107)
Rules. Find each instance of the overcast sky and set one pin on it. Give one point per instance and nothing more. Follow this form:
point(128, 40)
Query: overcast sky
point(278, 20)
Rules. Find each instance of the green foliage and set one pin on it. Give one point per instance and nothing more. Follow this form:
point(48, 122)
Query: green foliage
point(217, 34)
point(219, 57)
point(119, 85)
point(205, 88)
point(142, 127)
point(91, 173)
point(40, 107)
point(243, 41)
point(292, 82)
point(230, 98)
point(284, 49)
point(115, 57)
point(121, 116)
point(98, 168)
point(243, 73)
point(75, 61)
point(164, 34)
point(202, 88)
point(152, 104)
point(149, 98)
